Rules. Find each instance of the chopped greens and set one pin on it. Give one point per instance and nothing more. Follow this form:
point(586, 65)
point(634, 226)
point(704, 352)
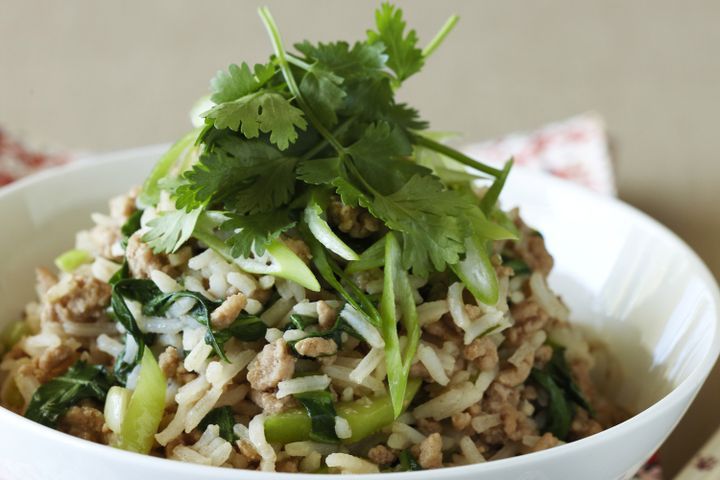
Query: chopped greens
point(52, 399)
point(320, 409)
point(69, 261)
point(563, 394)
point(224, 418)
point(408, 463)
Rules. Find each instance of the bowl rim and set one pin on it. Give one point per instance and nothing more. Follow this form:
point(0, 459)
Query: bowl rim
point(688, 386)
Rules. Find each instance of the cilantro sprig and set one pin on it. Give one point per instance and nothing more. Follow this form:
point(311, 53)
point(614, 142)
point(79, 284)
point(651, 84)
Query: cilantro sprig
point(322, 121)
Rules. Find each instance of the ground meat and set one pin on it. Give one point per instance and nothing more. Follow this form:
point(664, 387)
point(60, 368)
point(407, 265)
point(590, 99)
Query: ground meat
point(428, 426)
point(271, 366)
point(445, 330)
point(382, 455)
point(54, 362)
point(248, 451)
point(326, 315)
point(77, 299)
point(418, 370)
point(514, 375)
point(316, 347)
point(482, 352)
point(298, 247)
point(543, 355)
point(84, 422)
point(583, 426)
point(141, 259)
point(169, 362)
point(354, 221)
point(529, 318)
point(270, 403)
point(431, 452)
point(461, 420)
point(288, 465)
point(44, 280)
point(223, 316)
point(536, 255)
point(548, 440)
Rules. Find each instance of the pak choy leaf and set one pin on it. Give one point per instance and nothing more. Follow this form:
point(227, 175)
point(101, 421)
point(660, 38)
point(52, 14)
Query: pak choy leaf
point(52, 399)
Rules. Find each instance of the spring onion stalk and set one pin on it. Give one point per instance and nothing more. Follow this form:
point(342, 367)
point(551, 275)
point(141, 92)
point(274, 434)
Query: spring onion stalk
point(372, 257)
point(491, 196)
point(116, 405)
point(69, 261)
point(365, 418)
point(145, 408)
point(477, 272)
point(396, 290)
point(281, 262)
point(150, 194)
point(13, 333)
point(323, 233)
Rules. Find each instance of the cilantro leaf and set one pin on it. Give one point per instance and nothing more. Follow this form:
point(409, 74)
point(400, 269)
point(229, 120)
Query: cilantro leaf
point(360, 61)
point(247, 176)
point(267, 112)
point(378, 156)
point(171, 230)
point(250, 233)
point(404, 57)
point(239, 81)
point(330, 171)
point(430, 220)
point(322, 88)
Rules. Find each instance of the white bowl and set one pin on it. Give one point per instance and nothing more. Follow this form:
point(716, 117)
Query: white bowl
point(625, 277)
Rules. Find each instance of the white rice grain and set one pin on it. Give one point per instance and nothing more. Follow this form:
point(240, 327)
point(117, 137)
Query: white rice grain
point(274, 315)
point(109, 345)
point(164, 282)
point(253, 307)
point(272, 334)
point(367, 365)
point(483, 422)
point(103, 269)
point(256, 433)
point(546, 298)
point(341, 375)
point(302, 384)
point(242, 281)
point(431, 312)
point(294, 335)
point(350, 464)
point(202, 408)
point(196, 359)
point(446, 404)
point(429, 358)
point(342, 428)
point(266, 282)
point(470, 451)
point(408, 432)
point(362, 326)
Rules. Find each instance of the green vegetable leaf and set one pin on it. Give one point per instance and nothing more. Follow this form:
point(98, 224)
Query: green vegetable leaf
point(404, 57)
point(169, 231)
point(247, 328)
point(408, 463)
point(224, 418)
point(131, 225)
point(430, 220)
point(246, 176)
point(239, 81)
point(559, 411)
point(52, 399)
point(250, 233)
point(322, 89)
point(320, 409)
point(560, 371)
point(361, 61)
point(267, 112)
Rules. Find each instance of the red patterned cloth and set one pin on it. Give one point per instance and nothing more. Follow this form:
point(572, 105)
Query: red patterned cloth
point(17, 161)
point(575, 149)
